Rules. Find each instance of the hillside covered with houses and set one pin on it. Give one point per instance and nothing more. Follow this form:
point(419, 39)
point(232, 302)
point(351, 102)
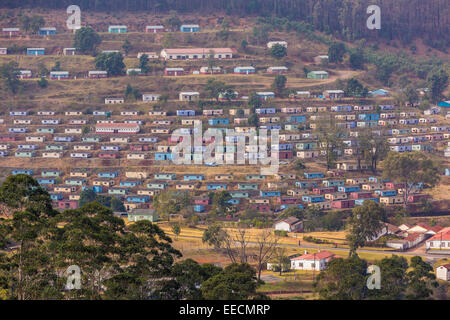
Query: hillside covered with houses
point(266, 146)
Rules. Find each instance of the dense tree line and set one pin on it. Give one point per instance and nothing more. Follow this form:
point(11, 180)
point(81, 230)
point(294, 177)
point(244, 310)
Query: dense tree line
point(115, 261)
point(404, 19)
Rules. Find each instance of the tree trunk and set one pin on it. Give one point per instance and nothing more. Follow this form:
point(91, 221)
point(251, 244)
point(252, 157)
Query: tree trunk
point(20, 294)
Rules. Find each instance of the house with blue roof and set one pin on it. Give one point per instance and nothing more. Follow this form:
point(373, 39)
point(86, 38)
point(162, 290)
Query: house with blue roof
point(313, 175)
point(193, 177)
point(265, 194)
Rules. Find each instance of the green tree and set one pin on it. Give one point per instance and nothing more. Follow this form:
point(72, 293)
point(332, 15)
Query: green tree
point(215, 87)
point(278, 51)
point(357, 59)
point(132, 93)
point(220, 202)
point(176, 229)
point(173, 22)
point(8, 73)
point(394, 281)
point(117, 205)
point(30, 273)
point(279, 84)
point(437, 83)
point(190, 275)
point(110, 62)
point(410, 169)
point(365, 225)
point(254, 101)
point(421, 279)
point(343, 279)
point(411, 95)
point(355, 89)
point(330, 137)
point(373, 148)
point(169, 203)
point(244, 45)
point(127, 46)
point(235, 282)
point(336, 52)
point(280, 260)
point(25, 23)
point(57, 66)
point(87, 196)
point(42, 82)
point(36, 23)
point(23, 193)
point(86, 40)
point(143, 63)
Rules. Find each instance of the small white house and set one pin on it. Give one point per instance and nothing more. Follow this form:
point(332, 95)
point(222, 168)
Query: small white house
point(146, 97)
point(114, 100)
point(290, 224)
point(189, 96)
point(270, 44)
point(443, 272)
point(312, 261)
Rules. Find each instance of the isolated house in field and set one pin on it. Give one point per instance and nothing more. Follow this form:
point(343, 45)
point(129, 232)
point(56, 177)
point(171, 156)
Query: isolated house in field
point(148, 97)
point(290, 224)
point(189, 96)
point(244, 70)
point(150, 55)
point(270, 44)
point(47, 31)
point(154, 29)
point(190, 28)
point(312, 261)
point(35, 51)
point(173, 72)
point(70, 51)
point(11, 32)
point(134, 71)
point(317, 75)
point(196, 53)
point(321, 59)
point(117, 29)
point(94, 74)
point(277, 70)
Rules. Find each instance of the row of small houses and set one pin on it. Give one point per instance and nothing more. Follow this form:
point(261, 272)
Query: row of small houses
point(47, 31)
point(338, 194)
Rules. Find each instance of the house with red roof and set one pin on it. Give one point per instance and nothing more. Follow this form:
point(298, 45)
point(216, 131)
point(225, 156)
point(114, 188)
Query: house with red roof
point(440, 241)
point(312, 261)
point(424, 228)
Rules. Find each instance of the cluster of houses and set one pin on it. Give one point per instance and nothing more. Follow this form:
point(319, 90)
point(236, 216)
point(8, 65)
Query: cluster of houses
point(131, 136)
